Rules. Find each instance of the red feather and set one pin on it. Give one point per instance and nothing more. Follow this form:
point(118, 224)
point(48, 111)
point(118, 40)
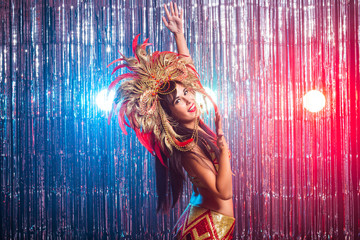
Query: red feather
point(158, 154)
point(134, 45)
point(118, 67)
point(192, 68)
point(144, 139)
point(143, 46)
point(148, 137)
point(126, 123)
point(119, 78)
point(155, 55)
point(116, 60)
point(139, 136)
point(121, 54)
point(200, 85)
point(183, 144)
point(121, 118)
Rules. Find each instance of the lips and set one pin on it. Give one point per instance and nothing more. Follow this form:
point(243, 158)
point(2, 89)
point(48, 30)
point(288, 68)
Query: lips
point(192, 108)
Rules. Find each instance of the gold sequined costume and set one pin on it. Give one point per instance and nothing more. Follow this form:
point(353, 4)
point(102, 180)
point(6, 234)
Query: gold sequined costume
point(200, 223)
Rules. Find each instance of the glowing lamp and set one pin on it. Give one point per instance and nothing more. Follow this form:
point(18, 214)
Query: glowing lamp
point(103, 101)
point(314, 101)
point(205, 103)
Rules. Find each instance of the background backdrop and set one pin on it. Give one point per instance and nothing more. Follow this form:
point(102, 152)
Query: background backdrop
point(65, 173)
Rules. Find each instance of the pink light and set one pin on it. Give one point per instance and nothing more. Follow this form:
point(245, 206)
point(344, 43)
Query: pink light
point(314, 101)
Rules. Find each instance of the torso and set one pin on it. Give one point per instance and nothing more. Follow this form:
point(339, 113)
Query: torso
point(202, 197)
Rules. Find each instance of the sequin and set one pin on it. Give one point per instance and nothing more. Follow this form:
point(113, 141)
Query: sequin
point(200, 223)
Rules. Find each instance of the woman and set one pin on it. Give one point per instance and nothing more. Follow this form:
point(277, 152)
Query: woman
point(159, 102)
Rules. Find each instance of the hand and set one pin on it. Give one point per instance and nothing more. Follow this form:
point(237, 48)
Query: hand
point(221, 142)
point(174, 22)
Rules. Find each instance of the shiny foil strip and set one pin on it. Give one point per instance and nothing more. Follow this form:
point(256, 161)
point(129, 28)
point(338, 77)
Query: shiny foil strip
point(66, 173)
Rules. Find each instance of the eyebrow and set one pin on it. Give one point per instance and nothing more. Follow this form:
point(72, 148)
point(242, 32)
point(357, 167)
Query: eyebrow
point(173, 102)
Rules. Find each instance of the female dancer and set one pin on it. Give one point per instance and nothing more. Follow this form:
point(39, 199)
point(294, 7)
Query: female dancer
point(159, 102)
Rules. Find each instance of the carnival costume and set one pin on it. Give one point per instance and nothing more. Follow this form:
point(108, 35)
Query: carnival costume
point(138, 98)
point(201, 223)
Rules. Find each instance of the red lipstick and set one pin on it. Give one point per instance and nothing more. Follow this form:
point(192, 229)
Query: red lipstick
point(192, 108)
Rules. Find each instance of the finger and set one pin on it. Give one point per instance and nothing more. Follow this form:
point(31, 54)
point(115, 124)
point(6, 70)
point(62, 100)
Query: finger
point(165, 22)
point(219, 128)
point(176, 10)
point(217, 120)
point(181, 14)
point(167, 11)
point(219, 132)
point(172, 9)
point(217, 117)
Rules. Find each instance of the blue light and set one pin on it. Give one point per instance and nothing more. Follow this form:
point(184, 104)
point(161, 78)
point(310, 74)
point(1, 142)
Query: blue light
point(103, 101)
point(205, 103)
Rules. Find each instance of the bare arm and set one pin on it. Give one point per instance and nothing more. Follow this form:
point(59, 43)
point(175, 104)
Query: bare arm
point(219, 184)
point(174, 23)
point(224, 161)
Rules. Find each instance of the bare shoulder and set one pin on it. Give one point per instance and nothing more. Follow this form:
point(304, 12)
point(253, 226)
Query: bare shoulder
point(196, 162)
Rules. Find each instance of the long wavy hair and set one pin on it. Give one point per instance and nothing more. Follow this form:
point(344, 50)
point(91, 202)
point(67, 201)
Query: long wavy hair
point(170, 180)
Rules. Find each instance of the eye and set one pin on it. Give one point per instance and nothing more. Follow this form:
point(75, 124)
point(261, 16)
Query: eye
point(177, 101)
point(185, 91)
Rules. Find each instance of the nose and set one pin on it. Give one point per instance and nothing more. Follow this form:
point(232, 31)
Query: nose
point(187, 100)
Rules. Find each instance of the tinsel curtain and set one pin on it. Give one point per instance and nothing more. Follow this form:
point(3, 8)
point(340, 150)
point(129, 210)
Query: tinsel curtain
point(65, 172)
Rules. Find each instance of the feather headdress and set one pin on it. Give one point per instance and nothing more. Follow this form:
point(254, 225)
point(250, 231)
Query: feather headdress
point(138, 96)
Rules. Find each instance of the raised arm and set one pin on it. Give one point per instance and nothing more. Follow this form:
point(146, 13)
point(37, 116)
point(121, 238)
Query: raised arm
point(220, 184)
point(174, 23)
point(224, 172)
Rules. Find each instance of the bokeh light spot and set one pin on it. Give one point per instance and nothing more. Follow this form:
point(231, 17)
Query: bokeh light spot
point(103, 101)
point(206, 104)
point(314, 101)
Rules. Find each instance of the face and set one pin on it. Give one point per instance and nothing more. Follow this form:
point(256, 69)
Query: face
point(183, 106)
